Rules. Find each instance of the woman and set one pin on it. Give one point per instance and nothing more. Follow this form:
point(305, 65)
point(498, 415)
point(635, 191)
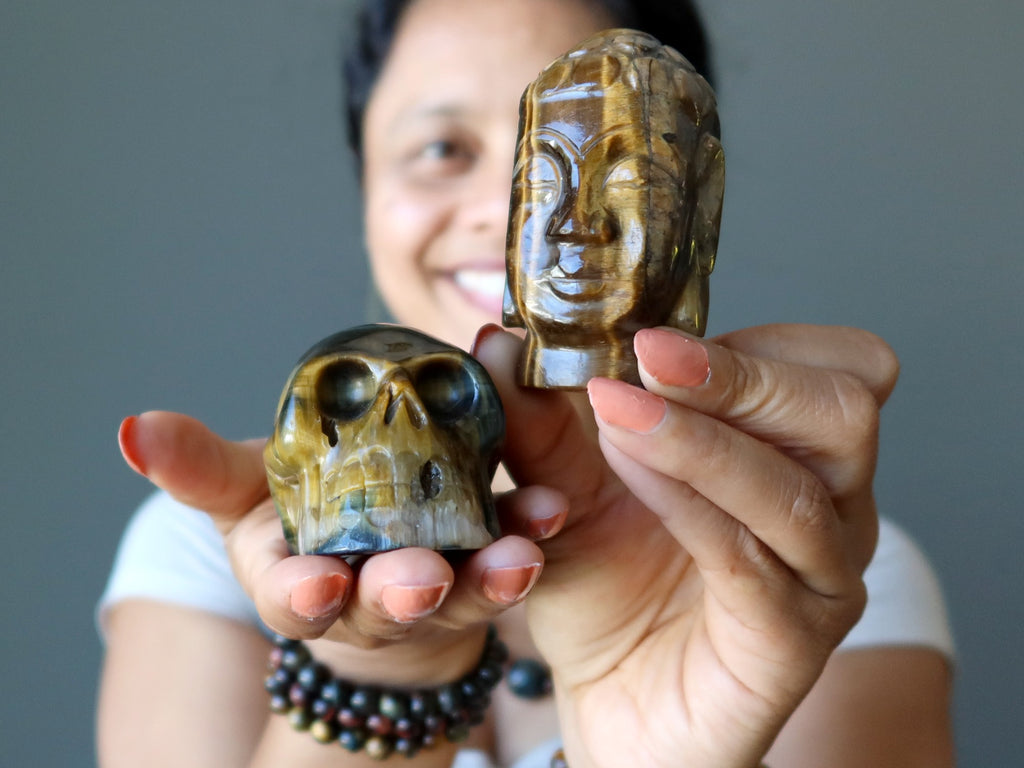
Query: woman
point(702, 557)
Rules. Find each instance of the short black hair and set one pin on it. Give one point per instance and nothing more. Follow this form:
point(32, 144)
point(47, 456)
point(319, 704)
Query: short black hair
point(674, 22)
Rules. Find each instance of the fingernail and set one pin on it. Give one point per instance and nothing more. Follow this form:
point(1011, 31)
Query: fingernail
point(318, 596)
point(483, 334)
point(405, 604)
point(129, 446)
point(672, 359)
point(509, 585)
point(542, 527)
point(623, 405)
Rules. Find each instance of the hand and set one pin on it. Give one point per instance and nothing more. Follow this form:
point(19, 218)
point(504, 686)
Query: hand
point(717, 535)
point(426, 617)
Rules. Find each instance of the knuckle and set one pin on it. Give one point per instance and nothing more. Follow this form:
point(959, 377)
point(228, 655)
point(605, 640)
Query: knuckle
point(747, 389)
point(810, 508)
point(714, 448)
point(858, 412)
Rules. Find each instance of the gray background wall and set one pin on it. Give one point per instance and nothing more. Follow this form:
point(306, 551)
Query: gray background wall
point(178, 223)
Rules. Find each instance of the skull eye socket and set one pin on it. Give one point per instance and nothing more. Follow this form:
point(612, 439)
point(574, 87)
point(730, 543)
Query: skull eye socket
point(346, 390)
point(446, 390)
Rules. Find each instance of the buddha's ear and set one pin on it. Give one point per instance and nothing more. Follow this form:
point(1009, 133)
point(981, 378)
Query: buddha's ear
point(510, 316)
point(691, 311)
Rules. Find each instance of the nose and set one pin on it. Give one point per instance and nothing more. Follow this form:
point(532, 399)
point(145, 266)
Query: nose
point(402, 397)
point(580, 221)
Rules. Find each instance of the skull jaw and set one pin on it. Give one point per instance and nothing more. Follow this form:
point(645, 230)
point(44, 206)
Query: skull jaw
point(384, 518)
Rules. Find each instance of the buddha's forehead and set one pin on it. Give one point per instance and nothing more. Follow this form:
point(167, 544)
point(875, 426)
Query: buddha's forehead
point(617, 82)
point(613, 118)
point(383, 342)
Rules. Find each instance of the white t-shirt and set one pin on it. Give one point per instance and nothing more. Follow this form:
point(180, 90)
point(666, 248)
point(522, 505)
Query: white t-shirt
point(174, 554)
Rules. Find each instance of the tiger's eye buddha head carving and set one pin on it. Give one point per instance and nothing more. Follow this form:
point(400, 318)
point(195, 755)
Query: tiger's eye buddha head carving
point(616, 203)
point(385, 438)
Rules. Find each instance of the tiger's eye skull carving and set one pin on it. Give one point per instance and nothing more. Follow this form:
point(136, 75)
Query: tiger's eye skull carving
point(385, 438)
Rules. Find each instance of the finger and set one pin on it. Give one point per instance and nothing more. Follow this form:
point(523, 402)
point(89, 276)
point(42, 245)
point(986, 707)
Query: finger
point(781, 502)
point(535, 513)
point(854, 351)
point(747, 579)
point(491, 581)
point(194, 465)
point(297, 596)
point(394, 591)
point(826, 419)
point(545, 444)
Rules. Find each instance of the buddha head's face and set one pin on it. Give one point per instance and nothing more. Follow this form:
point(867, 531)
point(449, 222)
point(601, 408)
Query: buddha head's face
point(617, 170)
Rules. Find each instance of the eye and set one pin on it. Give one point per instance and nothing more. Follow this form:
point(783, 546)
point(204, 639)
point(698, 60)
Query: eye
point(441, 157)
point(446, 389)
point(540, 179)
point(346, 389)
point(628, 175)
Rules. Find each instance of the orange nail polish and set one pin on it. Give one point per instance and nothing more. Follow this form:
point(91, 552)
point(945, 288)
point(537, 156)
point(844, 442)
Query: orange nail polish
point(318, 596)
point(129, 448)
point(672, 359)
point(483, 334)
point(542, 527)
point(509, 585)
point(407, 604)
point(623, 405)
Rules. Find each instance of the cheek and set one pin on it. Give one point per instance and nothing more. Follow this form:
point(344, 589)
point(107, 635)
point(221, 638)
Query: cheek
point(399, 228)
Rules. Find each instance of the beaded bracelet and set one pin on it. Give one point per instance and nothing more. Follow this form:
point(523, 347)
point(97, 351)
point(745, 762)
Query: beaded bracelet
point(380, 721)
point(558, 760)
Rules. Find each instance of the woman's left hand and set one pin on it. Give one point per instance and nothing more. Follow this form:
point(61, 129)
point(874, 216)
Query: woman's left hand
point(718, 532)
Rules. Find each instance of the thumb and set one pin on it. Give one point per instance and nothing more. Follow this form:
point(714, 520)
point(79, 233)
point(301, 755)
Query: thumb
point(547, 443)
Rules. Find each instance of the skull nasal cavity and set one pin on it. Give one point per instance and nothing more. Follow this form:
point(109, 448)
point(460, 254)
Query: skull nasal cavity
point(400, 399)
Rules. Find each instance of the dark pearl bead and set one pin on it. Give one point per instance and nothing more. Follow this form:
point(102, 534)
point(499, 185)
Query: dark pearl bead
point(363, 701)
point(299, 718)
point(349, 719)
point(279, 704)
point(323, 732)
point(406, 747)
point(323, 710)
point(379, 724)
point(278, 682)
point(335, 692)
point(311, 676)
point(294, 658)
point(529, 679)
point(449, 698)
point(422, 705)
point(352, 739)
point(433, 724)
point(274, 661)
point(298, 695)
point(406, 728)
point(393, 705)
point(378, 747)
point(457, 732)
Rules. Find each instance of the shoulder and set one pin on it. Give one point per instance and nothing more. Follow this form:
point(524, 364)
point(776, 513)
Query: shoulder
point(172, 553)
point(905, 602)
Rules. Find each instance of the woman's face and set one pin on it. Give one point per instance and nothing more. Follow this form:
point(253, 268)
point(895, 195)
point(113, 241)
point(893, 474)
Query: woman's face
point(439, 137)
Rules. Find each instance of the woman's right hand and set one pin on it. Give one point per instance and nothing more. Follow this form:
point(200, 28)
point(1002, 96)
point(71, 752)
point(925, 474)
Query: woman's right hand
point(409, 604)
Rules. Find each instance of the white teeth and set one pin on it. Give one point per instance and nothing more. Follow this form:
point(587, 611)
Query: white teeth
point(490, 282)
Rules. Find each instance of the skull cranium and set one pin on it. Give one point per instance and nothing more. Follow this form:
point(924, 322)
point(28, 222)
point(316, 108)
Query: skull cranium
point(385, 438)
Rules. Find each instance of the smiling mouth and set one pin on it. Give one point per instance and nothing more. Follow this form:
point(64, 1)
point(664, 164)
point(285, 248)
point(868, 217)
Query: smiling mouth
point(483, 287)
point(572, 289)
